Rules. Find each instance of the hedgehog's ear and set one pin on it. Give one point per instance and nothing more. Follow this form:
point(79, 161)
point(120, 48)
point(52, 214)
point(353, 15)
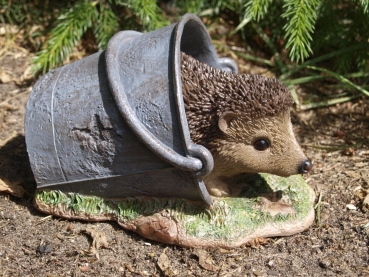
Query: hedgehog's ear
point(225, 120)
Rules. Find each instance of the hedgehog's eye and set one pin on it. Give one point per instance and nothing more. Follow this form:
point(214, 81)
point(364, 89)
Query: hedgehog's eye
point(261, 144)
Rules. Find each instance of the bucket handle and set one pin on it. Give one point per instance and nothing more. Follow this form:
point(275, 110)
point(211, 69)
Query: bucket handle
point(169, 155)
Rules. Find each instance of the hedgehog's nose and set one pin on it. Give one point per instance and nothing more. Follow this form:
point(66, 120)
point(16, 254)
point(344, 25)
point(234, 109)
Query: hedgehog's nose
point(305, 167)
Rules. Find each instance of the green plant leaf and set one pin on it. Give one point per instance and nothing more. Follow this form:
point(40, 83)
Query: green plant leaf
point(272, 47)
point(327, 102)
point(365, 5)
point(340, 78)
point(243, 23)
point(322, 58)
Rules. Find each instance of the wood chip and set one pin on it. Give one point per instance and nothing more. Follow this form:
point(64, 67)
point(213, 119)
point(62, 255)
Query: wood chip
point(5, 77)
point(129, 267)
point(12, 188)
point(165, 265)
point(98, 240)
point(205, 261)
point(352, 174)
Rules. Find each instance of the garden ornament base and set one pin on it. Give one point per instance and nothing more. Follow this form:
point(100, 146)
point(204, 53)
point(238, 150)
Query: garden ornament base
point(268, 206)
point(107, 138)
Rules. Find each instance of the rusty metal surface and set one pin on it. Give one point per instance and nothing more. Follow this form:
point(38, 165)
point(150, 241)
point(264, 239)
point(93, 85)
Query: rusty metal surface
point(113, 124)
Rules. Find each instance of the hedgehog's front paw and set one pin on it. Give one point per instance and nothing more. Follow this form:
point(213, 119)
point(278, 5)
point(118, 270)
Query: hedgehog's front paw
point(218, 192)
point(217, 187)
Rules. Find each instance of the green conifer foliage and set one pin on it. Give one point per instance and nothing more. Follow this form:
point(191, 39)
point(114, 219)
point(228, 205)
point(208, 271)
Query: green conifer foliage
point(256, 9)
point(306, 28)
point(70, 26)
point(102, 17)
point(301, 16)
point(107, 24)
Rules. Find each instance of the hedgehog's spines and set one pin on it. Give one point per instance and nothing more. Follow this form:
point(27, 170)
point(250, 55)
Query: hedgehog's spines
point(209, 92)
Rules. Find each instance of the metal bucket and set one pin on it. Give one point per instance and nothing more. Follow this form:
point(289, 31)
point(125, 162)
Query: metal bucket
point(114, 124)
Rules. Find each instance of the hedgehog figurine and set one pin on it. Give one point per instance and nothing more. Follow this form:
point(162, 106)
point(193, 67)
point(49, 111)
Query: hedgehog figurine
point(243, 120)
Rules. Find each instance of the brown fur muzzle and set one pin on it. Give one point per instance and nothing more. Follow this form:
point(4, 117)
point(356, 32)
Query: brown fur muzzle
point(235, 152)
point(283, 156)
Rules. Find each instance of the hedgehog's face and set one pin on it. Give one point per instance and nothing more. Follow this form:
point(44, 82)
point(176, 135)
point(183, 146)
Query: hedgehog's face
point(265, 145)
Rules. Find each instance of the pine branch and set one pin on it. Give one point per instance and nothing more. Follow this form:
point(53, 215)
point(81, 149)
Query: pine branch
point(190, 6)
point(301, 15)
point(256, 9)
point(70, 26)
point(12, 12)
point(147, 11)
point(106, 26)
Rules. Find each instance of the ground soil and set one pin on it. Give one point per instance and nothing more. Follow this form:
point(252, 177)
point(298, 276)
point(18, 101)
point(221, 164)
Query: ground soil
point(35, 244)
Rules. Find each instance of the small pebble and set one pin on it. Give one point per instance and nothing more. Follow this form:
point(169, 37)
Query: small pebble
point(272, 273)
point(84, 268)
point(9, 216)
point(324, 263)
point(257, 273)
point(46, 248)
point(351, 207)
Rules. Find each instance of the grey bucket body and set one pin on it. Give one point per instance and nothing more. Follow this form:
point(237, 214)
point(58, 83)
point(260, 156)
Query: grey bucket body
point(114, 125)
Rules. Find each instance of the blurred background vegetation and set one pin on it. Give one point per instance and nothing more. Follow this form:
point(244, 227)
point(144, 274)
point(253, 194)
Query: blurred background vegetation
point(301, 41)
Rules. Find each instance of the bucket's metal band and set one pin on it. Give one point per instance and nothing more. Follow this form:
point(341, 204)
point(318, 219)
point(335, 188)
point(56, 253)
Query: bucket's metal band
point(62, 174)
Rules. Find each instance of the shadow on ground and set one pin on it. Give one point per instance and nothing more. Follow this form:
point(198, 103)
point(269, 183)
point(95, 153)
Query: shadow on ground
point(15, 166)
